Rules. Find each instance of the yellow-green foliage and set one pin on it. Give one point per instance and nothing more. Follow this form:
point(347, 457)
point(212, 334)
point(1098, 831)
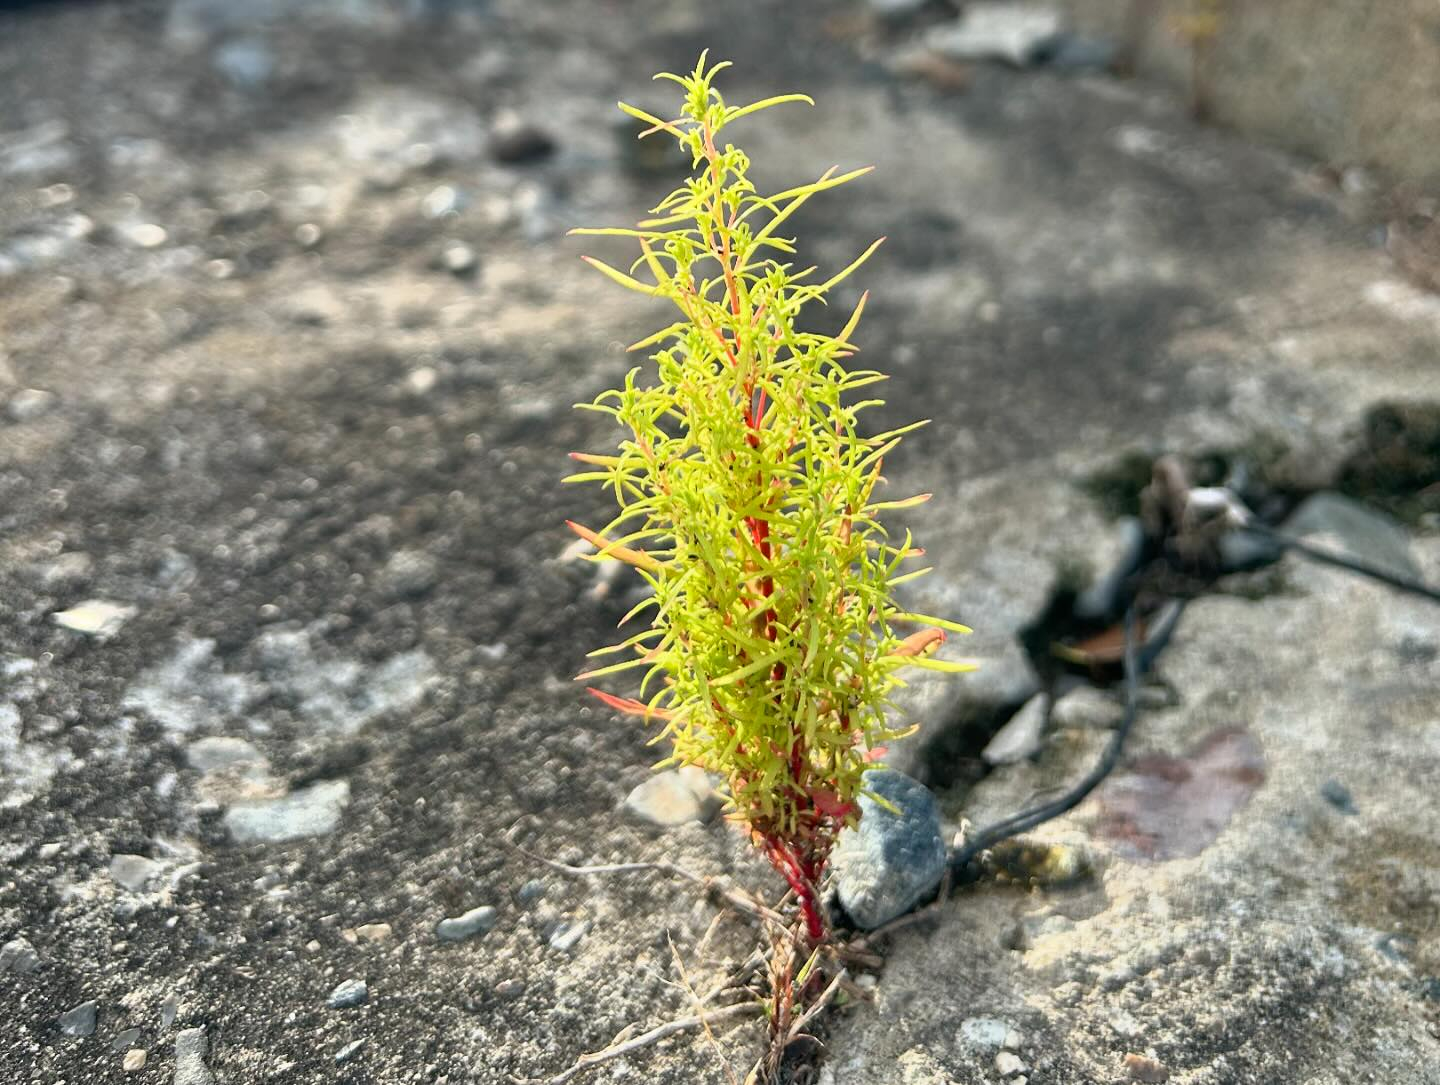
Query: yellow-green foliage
point(748, 501)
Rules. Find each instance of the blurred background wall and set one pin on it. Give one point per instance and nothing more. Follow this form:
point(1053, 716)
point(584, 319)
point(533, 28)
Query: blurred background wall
point(1348, 81)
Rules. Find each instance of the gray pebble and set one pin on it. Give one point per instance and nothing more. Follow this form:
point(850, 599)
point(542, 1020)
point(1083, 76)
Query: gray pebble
point(1007, 1064)
point(895, 9)
point(531, 891)
point(349, 1051)
point(247, 63)
point(983, 1033)
point(1360, 530)
point(1022, 734)
point(408, 574)
point(566, 935)
point(1086, 708)
point(125, 1039)
point(510, 989)
point(30, 403)
point(168, 1010)
point(891, 861)
point(519, 142)
point(1338, 796)
point(191, 1047)
point(222, 752)
point(348, 994)
point(18, 955)
point(79, 1020)
point(133, 872)
point(475, 921)
point(1102, 598)
point(459, 258)
point(308, 811)
point(1082, 54)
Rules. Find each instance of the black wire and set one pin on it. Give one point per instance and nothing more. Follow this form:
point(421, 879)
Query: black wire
point(966, 855)
point(1342, 561)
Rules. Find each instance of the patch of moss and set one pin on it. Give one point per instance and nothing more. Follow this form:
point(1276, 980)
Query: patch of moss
point(1397, 465)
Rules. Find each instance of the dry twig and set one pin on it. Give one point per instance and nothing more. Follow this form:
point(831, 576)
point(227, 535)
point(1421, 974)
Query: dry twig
point(646, 1039)
point(700, 1010)
point(721, 887)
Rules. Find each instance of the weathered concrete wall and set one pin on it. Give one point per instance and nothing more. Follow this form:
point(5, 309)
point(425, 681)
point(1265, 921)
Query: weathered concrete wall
point(1349, 81)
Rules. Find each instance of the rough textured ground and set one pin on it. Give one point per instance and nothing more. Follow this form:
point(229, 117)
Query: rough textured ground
point(322, 469)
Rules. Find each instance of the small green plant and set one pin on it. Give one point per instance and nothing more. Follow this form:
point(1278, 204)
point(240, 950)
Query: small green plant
point(748, 501)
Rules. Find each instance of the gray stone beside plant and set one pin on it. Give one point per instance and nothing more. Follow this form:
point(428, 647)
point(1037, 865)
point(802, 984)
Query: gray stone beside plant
point(894, 858)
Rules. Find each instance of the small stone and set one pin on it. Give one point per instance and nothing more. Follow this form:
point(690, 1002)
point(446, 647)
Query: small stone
point(476, 921)
point(223, 752)
point(18, 955)
point(95, 617)
point(373, 932)
point(308, 811)
point(1086, 708)
point(566, 935)
point(1361, 531)
point(134, 872)
point(168, 1010)
point(440, 201)
point(348, 994)
point(1396, 946)
point(510, 989)
point(349, 1051)
point(191, 1047)
point(421, 381)
point(125, 1039)
point(1021, 735)
point(134, 1060)
point(896, 9)
point(1124, 1023)
point(308, 235)
point(1242, 551)
point(408, 574)
point(145, 235)
point(1338, 796)
point(29, 404)
point(673, 798)
point(247, 63)
point(515, 142)
point(1015, 32)
point(1143, 1068)
point(531, 891)
point(983, 1033)
point(1074, 53)
point(459, 258)
point(891, 861)
point(1013, 1039)
point(1102, 598)
point(79, 1020)
point(1008, 1064)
